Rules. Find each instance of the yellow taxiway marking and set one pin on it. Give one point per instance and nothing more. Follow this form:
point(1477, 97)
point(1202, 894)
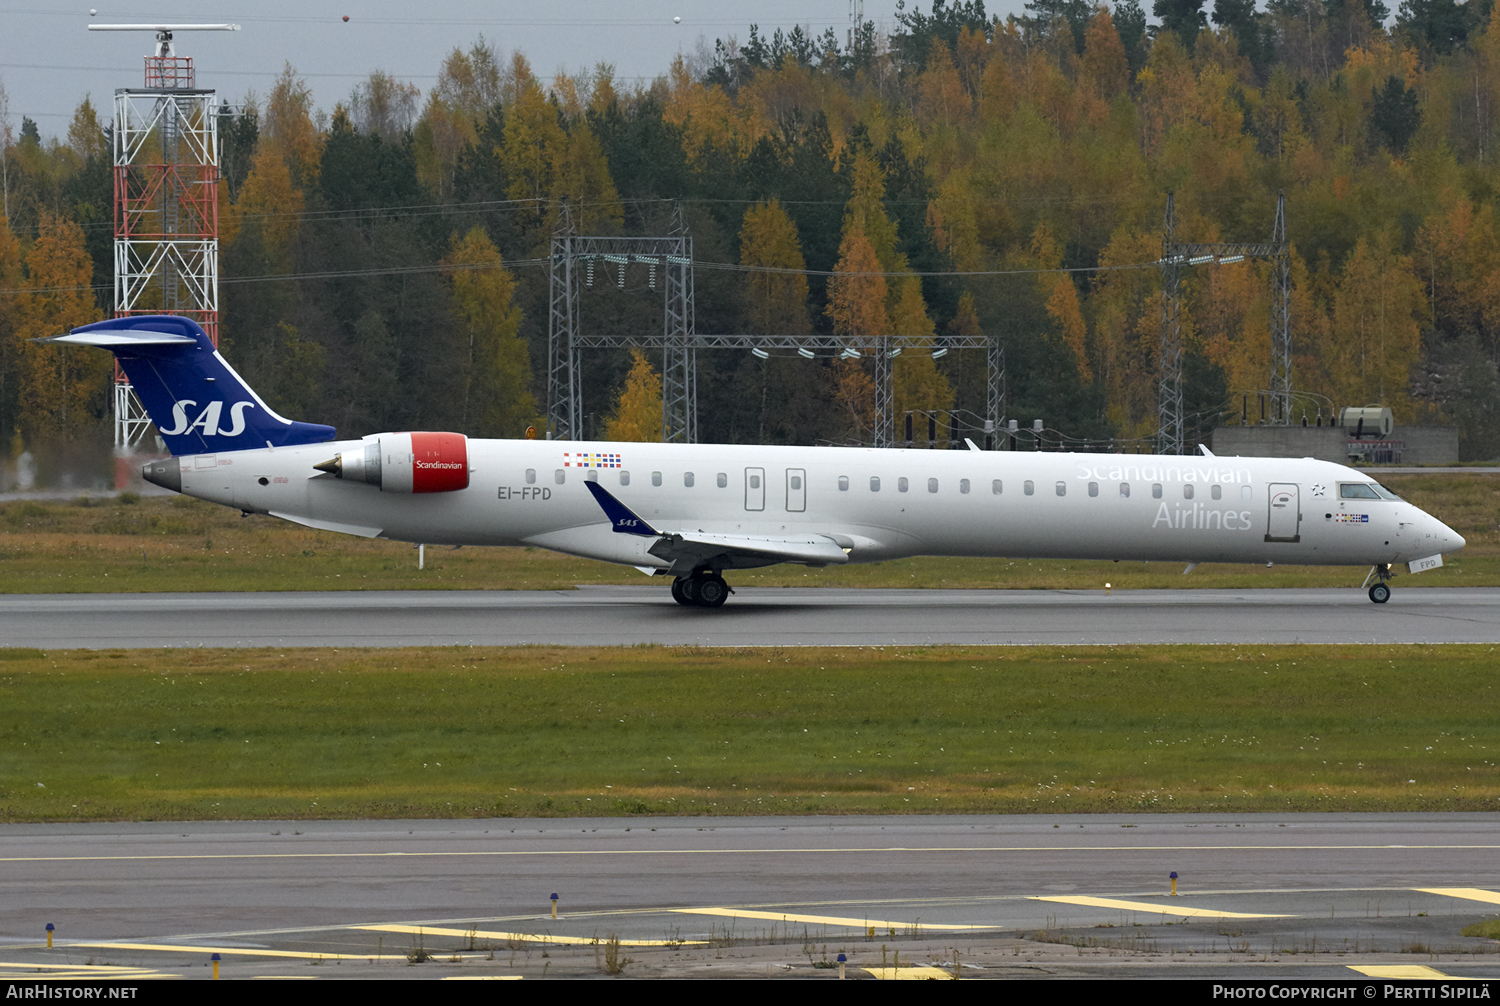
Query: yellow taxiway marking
point(1467, 893)
point(823, 920)
point(1145, 906)
point(304, 955)
point(1402, 971)
point(93, 969)
point(81, 975)
point(480, 934)
point(911, 974)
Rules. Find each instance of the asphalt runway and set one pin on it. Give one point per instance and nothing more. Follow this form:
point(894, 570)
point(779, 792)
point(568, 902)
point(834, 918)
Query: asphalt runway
point(1259, 896)
point(603, 616)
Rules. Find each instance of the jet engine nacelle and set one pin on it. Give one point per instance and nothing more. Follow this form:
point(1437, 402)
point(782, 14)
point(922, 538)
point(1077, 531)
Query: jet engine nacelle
point(406, 463)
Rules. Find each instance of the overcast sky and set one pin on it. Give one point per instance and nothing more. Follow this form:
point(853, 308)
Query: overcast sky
point(49, 61)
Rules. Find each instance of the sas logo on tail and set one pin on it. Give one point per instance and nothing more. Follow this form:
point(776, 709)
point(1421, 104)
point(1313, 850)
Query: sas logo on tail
point(208, 419)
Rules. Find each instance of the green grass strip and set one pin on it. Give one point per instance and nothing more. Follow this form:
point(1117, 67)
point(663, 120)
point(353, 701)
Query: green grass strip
point(238, 734)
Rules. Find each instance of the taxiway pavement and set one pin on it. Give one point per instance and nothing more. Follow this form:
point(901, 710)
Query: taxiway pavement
point(1316, 895)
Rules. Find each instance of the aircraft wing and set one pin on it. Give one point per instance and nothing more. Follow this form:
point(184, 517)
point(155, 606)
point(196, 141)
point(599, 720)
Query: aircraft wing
point(814, 549)
point(686, 551)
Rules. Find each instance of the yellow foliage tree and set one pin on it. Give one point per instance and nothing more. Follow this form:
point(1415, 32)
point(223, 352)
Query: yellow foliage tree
point(1062, 299)
point(916, 383)
point(497, 390)
point(856, 306)
point(270, 202)
point(865, 213)
point(534, 138)
point(776, 302)
point(288, 128)
point(580, 173)
point(637, 417)
point(857, 288)
point(60, 389)
point(1375, 339)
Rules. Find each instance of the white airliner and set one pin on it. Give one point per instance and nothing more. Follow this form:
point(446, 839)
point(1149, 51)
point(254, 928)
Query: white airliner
point(693, 511)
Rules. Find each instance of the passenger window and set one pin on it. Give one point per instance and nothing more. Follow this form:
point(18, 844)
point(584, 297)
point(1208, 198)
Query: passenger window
point(1062, 489)
point(932, 485)
point(997, 487)
point(656, 478)
point(1187, 491)
point(624, 478)
point(1217, 492)
point(1093, 489)
point(902, 485)
point(755, 482)
point(796, 481)
point(531, 476)
point(687, 479)
point(1245, 493)
point(963, 486)
point(1029, 487)
point(592, 475)
point(559, 476)
point(1124, 490)
point(1356, 491)
point(843, 483)
point(874, 483)
point(723, 480)
point(1156, 490)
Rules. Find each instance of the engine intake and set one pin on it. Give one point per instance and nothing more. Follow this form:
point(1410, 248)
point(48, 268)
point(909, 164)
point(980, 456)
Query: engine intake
point(406, 463)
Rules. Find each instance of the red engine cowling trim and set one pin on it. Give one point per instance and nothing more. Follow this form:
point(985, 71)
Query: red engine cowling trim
point(440, 462)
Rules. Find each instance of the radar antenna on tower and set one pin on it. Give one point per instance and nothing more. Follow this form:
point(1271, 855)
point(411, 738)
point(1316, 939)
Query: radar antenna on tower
point(166, 182)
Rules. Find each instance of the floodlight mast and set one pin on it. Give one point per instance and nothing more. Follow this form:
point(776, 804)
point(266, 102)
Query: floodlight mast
point(166, 205)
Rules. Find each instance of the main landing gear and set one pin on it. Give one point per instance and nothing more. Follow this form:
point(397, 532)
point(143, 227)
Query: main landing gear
point(1379, 592)
point(704, 589)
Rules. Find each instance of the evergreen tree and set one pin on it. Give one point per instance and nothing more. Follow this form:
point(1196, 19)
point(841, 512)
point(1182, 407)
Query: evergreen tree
point(1130, 22)
point(1183, 18)
point(1396, 114)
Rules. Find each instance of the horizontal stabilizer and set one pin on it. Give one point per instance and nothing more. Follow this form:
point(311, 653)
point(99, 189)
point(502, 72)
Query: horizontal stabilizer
point(109, 340)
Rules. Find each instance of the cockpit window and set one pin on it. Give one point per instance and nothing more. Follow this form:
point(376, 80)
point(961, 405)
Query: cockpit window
point(1357, 491)
point(1385, 493)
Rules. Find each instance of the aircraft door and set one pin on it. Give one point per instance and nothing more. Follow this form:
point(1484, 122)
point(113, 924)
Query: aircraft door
point(755, 488)
point(796, 490)
point(1285, 513)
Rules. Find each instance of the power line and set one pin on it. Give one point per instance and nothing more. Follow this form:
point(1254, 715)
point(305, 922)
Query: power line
point(291, 277)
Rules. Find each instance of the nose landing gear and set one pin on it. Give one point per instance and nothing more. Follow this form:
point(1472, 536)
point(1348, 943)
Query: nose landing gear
point(1379, 592)
point(704, 589)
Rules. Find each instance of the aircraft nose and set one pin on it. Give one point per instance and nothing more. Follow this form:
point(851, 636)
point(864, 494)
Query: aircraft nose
point(1449, 539)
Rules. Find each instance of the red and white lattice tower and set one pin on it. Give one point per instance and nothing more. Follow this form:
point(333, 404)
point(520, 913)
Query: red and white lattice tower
point(166, 179)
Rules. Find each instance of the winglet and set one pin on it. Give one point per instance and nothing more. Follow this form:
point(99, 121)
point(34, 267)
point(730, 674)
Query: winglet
point(972, 445)
point(1206, 452)
point(619, 514)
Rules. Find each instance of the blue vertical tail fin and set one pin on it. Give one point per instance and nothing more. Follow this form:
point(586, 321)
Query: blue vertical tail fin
point(195, 398)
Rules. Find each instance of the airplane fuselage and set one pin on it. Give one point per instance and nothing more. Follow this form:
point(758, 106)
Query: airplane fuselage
point(874, 504)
